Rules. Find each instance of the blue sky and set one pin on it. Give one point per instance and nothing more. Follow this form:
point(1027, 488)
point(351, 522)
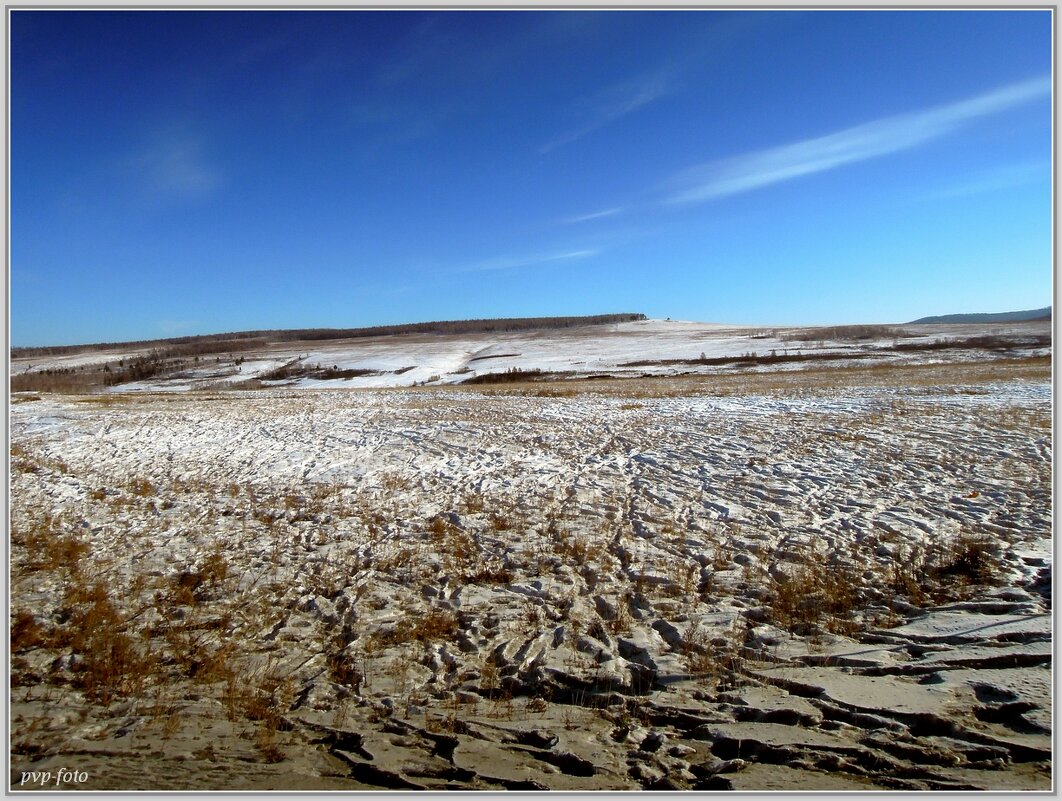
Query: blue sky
point(183, 172)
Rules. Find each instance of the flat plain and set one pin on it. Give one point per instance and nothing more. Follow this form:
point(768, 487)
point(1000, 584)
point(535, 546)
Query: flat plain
point(638, 558)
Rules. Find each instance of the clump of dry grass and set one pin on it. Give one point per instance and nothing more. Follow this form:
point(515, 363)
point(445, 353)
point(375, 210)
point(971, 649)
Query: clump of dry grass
point(437, 625)
point(948, 570)
point(43, 543)
point(26, 632)
point(970, 559)
point(395, 482)
point(141, 487)
point(684, 579)
point(622, 620)
point(493, 573)
point(403, 557)
point(264, 699)
point(191, 587)
point(489, 676)
point(717, 659)
point(342, 665)
point(696, 651)
point(500, 522)
point(110, 661)
point(460, 553)
point(439, 526)
point(26, 460)
point(812, 592)
point(193, 650)
point(473, 503)
point(578, 549)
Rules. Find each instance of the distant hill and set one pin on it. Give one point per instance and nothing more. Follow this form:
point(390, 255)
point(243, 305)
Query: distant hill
point(1002, 317)
point(247, 340)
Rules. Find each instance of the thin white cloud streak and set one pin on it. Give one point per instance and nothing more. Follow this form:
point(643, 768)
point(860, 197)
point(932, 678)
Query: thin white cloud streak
point(1007, 177)
point(421, 47)
point(513, 262)
point(596, 215)
point(614, 103)
point(175, 167)
point(176, 326)
point(869, 140)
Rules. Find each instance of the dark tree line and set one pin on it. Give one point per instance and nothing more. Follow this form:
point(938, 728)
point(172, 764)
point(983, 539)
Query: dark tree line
point(246, 340)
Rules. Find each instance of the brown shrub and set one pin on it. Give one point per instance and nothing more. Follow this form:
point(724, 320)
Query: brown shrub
point(46, 547)
point(26, 632)
point(141, 487)
point(500, 522)
point(111, 664)
point(970, 559)
point(473, 503)
point(487, 574)
point(436, 626)
point(813, 592)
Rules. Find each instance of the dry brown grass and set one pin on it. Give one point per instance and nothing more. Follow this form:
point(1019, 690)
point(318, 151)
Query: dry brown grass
point(787, 381)
point(579, 549)
point(622, 621)
point(343, 666)
point(696, 651)
point(64, 382)
point(439, 527)
point(28, 459)
point(141, 487)
point(1019, 419)
point(123, 656)
point(968, 560)
point(111, 661)
point(394, 482)
point(460, 553)
point(435, 626)
point(473, 503)
point(815, 591)
point(43, 545)
point(192, 586)
point(26, 632)
point(500, 521)
point(494, 572)
point(948, 570)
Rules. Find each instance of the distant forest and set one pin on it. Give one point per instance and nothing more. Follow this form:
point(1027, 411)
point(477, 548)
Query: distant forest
point(247, 340)
point(1002, 317)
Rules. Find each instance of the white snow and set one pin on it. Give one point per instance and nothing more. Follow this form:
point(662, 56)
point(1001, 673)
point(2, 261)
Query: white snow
point(633, 348)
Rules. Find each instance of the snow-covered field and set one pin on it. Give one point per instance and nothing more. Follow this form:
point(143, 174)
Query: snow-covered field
point(646, 347)
point(805, 580)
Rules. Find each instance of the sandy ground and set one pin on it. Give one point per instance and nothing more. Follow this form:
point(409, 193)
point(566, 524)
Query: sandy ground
point(831, 580)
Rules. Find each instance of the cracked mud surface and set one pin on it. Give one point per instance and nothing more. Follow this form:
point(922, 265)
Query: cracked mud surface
point(792, 585)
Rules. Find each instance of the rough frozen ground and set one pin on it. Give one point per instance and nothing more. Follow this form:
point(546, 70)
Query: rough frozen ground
point(630, 587)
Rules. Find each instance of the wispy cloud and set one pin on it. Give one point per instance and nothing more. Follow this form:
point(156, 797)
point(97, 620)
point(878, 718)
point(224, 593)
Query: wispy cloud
point(176, 326)
point(423, 46)
point(174, 167)
point(877, 138)
point(615, 102)
point(596, 215)
point(994, 180)
point(385, 125)
point(513, 262)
